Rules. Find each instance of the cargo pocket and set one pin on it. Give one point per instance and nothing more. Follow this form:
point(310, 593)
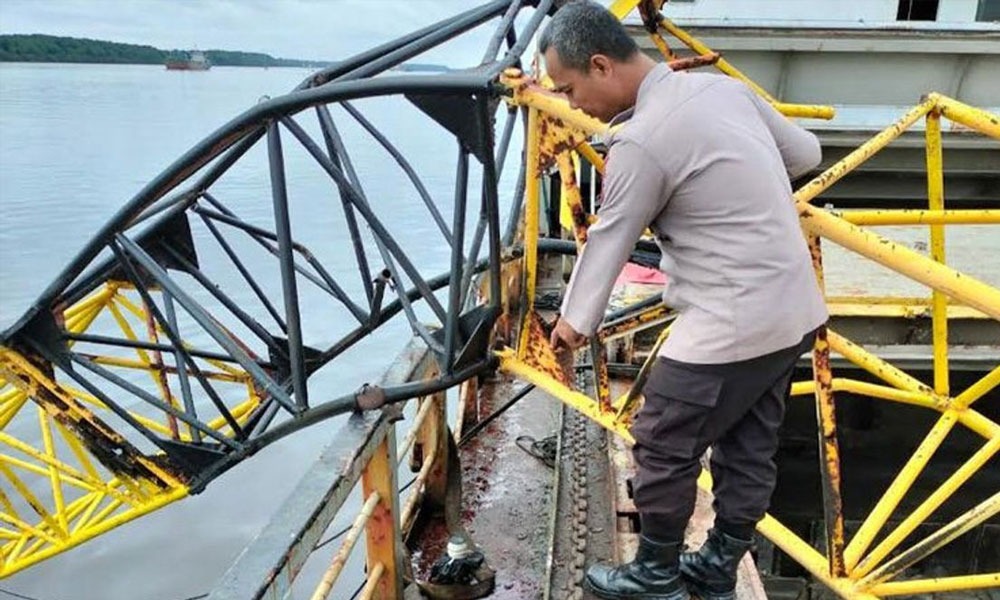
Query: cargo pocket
point(678, 403)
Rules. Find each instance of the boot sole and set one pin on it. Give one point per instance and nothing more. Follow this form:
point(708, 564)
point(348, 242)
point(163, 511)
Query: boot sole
point(698, 594)
point(606, 595)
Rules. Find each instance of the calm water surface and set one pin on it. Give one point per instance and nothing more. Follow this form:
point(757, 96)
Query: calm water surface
point(76, 142)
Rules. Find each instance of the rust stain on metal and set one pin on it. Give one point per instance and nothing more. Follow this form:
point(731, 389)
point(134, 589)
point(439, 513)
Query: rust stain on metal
point(602, 383)
point(830, 454)
point(693, 62)
point(540, 355)
point(556, 138)
point(112, 450)
point(370, 397)
point(633, 322)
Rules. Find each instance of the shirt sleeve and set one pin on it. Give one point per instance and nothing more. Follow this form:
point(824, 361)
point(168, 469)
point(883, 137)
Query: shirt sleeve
point(800, 149)
point(634, 193)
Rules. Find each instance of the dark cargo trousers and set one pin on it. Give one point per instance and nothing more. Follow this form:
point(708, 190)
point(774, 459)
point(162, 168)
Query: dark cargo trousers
point(734, 408)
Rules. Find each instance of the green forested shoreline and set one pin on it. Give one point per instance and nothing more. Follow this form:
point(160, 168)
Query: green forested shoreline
point(50, 48)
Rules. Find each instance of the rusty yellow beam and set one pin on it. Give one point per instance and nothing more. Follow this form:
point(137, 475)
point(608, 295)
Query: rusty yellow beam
point(383, 538)
point(531, 220)
point(829, 450)
point(861, 306)
point(875, 365)
point(589, 407)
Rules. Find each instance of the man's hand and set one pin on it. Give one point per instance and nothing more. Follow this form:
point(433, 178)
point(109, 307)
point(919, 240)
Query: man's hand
point(565, 337)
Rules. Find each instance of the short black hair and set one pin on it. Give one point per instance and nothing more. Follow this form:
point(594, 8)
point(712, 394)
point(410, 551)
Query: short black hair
point(581, 29)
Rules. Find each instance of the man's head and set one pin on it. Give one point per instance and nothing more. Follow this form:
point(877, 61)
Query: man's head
point(591, 58)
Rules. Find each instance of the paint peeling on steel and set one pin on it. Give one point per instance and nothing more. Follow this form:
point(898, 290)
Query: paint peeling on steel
point(829, 455)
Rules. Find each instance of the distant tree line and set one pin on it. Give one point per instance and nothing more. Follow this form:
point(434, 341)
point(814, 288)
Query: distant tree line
point(51, 48)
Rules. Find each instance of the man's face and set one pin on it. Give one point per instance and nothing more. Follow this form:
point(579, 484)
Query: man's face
point(593, 91)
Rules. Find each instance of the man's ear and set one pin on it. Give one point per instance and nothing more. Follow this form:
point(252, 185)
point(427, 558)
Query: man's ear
point(600, 64)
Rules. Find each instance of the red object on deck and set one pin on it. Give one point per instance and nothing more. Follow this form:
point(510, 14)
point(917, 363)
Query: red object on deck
point(633, 273)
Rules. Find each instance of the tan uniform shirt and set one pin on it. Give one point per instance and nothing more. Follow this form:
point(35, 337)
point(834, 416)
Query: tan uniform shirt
point(705, 163)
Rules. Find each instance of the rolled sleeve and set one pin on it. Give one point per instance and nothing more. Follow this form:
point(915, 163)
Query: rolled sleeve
point(634, 193)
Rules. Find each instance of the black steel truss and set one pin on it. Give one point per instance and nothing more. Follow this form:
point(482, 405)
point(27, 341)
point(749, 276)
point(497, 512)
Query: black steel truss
point(148, 249)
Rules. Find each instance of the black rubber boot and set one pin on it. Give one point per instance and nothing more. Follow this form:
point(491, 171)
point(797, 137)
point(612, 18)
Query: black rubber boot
point(710, 572)
point(653, 575)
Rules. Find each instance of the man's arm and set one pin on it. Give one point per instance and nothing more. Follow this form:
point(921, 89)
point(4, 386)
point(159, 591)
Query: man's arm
point(634, 192)
point(799, 148)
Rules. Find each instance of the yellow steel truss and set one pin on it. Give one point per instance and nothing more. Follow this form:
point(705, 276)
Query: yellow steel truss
point(852, 569)
point(63, 493)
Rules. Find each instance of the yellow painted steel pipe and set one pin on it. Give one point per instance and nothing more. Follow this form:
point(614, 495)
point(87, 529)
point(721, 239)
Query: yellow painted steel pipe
point(875, 365)
point(935, 200)
point(977, 390)
point(829, 452)
point(974, 118)
point(789, 110)
point(807, 556)
point(587, 151)
point(531, 216)
point(877, 217)
point(879, 515)
point(581, 402)
point(979, 423)
point(918, 516)
point(104, 525)
point(914, 265)
point(938, 584)
point(865, 151)
point(943, 536)
point(528, 93)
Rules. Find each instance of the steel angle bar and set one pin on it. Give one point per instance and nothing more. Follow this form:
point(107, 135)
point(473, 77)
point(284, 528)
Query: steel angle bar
point(182, 372)
point(144, 345)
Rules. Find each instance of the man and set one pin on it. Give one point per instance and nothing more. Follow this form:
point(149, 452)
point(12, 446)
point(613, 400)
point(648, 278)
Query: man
point(705, 163)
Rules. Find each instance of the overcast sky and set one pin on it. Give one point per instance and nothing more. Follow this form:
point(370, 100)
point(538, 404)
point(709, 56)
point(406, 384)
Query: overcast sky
point(306, 29)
